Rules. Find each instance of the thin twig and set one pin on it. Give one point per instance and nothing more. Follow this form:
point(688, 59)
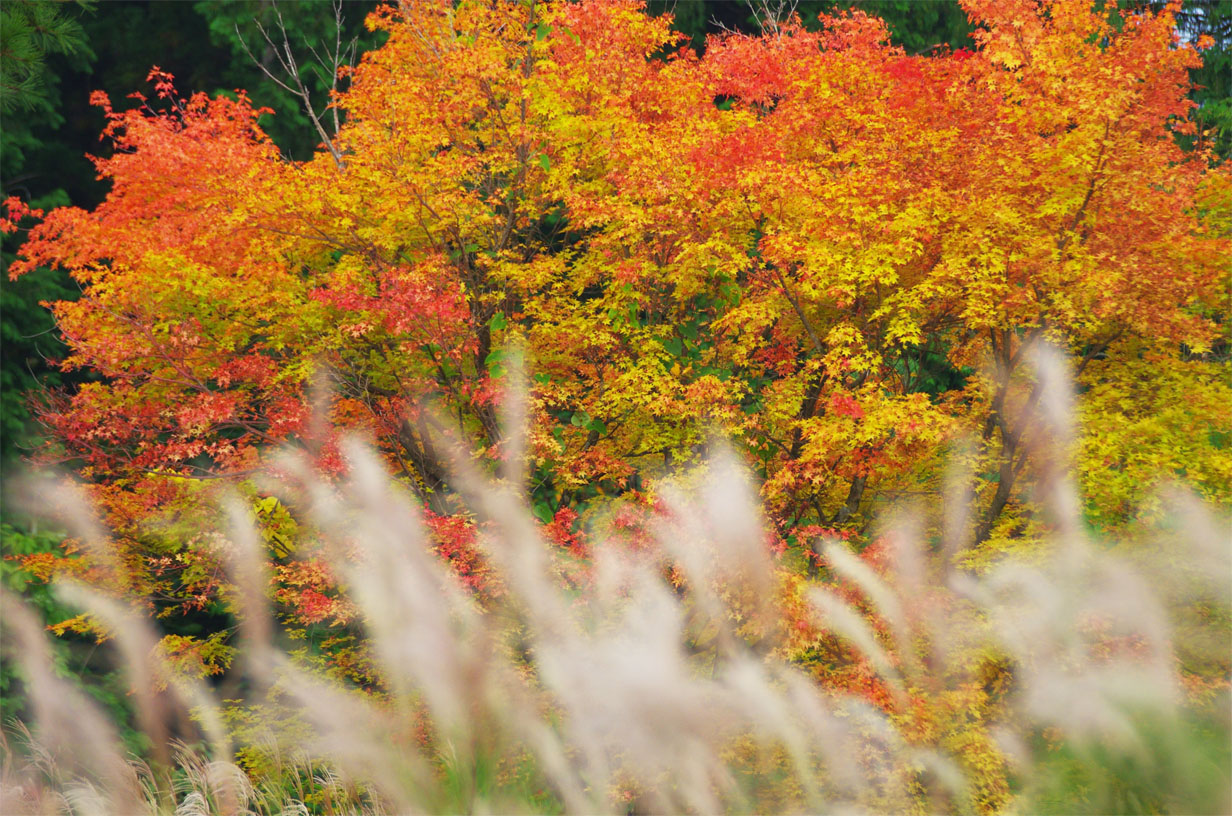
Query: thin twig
point(286, 60)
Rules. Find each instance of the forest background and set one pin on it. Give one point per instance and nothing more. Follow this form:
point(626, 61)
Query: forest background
point(55, 55)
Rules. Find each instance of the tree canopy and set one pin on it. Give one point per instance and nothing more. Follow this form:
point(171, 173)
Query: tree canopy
point(808, 240)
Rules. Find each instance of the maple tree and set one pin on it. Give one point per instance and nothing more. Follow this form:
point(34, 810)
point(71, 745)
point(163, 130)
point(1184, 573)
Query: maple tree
point(832, 252)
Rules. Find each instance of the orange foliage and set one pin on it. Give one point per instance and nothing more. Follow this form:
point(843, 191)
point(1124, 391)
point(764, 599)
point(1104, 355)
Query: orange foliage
point(835, 254)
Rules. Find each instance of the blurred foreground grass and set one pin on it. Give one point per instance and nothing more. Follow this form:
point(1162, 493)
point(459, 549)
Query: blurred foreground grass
point(692, 673)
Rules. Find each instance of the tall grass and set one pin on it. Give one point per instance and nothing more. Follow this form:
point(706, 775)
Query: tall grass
point(669, 677)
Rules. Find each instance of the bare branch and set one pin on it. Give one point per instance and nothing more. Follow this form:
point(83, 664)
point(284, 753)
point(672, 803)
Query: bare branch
point(259, 63)
point(286, 60)
point(772, 14)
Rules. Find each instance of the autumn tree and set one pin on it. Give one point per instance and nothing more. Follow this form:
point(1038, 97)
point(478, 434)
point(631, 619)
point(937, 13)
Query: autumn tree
point(835, 253)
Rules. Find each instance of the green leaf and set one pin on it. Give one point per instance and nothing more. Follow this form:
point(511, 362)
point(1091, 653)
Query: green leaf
point(545, 161)
point(543, 512)
point(542, 31)
point(495, 364)
point(580, 419)
point(498, 322)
